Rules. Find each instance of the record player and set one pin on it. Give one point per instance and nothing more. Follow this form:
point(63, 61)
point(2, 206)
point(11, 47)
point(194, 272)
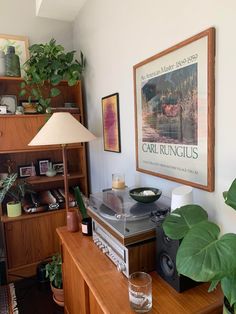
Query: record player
point(125, 230)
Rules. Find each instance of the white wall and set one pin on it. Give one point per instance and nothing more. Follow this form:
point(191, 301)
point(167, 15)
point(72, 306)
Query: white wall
point(114, 35)
point(18, 18)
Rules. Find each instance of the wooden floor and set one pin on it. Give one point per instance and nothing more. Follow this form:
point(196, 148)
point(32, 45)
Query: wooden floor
point(35, 298)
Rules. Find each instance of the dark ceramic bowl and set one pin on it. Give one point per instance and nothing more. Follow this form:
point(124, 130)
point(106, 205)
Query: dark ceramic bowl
point(142, 194)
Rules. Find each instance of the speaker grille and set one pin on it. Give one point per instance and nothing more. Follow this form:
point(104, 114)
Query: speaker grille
point(166, 250)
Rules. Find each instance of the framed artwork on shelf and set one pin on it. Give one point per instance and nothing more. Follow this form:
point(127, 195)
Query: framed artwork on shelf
point(111, 123)
point(174, 112)
point(42, 166)
point(24, 171)
point(21, 44)
point(58, 167)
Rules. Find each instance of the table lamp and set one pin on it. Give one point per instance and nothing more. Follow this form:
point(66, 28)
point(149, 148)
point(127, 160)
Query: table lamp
point(62, 129)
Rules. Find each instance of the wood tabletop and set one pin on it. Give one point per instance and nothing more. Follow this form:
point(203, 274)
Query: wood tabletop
point(110, 288)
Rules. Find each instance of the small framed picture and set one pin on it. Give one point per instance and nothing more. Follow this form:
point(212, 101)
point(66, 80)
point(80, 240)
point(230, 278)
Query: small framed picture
point(43, 165)
point(59, 167)
point(10, 102)
point(24, 171)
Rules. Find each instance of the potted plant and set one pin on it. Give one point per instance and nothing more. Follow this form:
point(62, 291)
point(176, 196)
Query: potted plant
point(204, 255)
point(54, 273)
point(47, 66)
point(14, 190)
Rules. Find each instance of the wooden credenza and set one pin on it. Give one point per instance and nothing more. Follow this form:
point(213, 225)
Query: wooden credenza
point(93, 285)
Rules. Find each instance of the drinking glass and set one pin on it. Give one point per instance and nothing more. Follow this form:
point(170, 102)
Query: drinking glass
point(140, 292)
point(118, 181)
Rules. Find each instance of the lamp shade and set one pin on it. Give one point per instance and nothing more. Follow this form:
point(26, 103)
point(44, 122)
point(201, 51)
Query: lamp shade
point(62, 128)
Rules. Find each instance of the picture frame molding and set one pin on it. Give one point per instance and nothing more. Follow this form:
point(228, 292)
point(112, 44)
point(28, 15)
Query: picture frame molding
point(117, 148)
point(210, 103)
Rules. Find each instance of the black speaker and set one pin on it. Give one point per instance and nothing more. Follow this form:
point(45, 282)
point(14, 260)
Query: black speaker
point(166, 251)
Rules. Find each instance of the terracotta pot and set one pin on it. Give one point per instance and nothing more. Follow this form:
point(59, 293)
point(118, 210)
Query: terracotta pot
point(58, 295)
point(72, 221)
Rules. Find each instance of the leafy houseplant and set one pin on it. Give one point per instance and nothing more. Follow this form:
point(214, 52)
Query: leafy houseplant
point(54, 273)
point(47, 66)
point(204, 255)
point(15, 189)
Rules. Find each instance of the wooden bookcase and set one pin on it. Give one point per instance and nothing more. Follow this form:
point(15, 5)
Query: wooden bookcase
point(31, 238)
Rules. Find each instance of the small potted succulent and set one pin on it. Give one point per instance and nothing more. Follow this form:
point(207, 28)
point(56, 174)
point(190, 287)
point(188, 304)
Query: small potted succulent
point(47, 66)
point(54, 273)
point(14, 190)
point(204, 254)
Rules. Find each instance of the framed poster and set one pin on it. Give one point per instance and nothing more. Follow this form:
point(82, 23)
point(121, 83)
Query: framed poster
point(174, 112)
point(20, 43)
point(111, 123)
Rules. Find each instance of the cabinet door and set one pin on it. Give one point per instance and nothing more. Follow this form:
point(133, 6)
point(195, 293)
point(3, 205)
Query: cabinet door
point(75, 288)
point(94, 306)
point(31, 240)
point(17, 131)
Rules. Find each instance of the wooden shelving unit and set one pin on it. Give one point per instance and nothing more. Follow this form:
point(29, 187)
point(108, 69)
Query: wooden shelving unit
point(30, 238)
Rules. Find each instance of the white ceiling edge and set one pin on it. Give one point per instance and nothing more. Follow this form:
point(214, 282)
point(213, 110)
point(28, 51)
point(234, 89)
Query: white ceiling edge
point(59, 9)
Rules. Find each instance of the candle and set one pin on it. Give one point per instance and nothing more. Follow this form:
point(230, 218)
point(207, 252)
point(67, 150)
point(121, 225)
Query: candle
point(118, 181)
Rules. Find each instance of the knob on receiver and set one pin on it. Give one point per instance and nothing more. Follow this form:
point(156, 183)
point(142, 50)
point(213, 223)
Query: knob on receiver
point(120, 267)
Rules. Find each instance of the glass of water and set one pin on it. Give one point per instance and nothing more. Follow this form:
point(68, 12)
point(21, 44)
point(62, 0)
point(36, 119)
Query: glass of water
point(140, 292)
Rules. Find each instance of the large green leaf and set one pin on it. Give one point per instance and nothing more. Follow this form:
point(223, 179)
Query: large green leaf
point(228, 285)
point(182, 219)
point(203, 256)
point(230, 195)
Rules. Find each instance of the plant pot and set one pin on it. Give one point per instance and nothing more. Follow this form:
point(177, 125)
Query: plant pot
point(58, 295)
point(13, 209)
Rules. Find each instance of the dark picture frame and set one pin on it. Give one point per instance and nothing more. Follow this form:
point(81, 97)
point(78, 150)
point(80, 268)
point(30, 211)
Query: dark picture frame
point(58, 167)
point(174, 112)
point(42, 166)
point(111, 123)
point(24, 171)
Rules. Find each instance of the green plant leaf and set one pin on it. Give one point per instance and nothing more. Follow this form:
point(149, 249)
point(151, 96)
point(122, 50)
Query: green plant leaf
point(203, 256)
point(22, 85)
point(22, 93)
point(55, 92)
point(228, 285)
point(181, 220)
point(35, 93)
point(56, 78)
point(230, 195)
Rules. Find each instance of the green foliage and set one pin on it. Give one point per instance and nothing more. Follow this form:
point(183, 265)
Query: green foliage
point(14, 188)
point(47, 66)
point(54, 271)
point(204, 255)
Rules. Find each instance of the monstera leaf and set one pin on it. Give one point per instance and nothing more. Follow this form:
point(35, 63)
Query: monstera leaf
point(228, 285)
point(181, 220)
point(204, 256)
point(230, 195)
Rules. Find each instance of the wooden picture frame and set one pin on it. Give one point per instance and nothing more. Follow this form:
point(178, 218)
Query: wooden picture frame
point(174, 112)
point(21, 44)
point(111, 123)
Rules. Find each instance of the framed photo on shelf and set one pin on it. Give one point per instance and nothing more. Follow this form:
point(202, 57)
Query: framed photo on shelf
point(24, 171)
point(42, 166)
point(111, 123)
point(174, 112)
point(58, 167)
point(20, 43)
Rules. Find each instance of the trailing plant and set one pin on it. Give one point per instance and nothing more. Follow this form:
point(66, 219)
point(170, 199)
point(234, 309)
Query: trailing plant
point(204, 255)
point(54, 271)
point(47, 66)
point(14, 188)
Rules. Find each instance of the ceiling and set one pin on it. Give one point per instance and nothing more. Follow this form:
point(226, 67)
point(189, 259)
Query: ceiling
point(59, 9)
